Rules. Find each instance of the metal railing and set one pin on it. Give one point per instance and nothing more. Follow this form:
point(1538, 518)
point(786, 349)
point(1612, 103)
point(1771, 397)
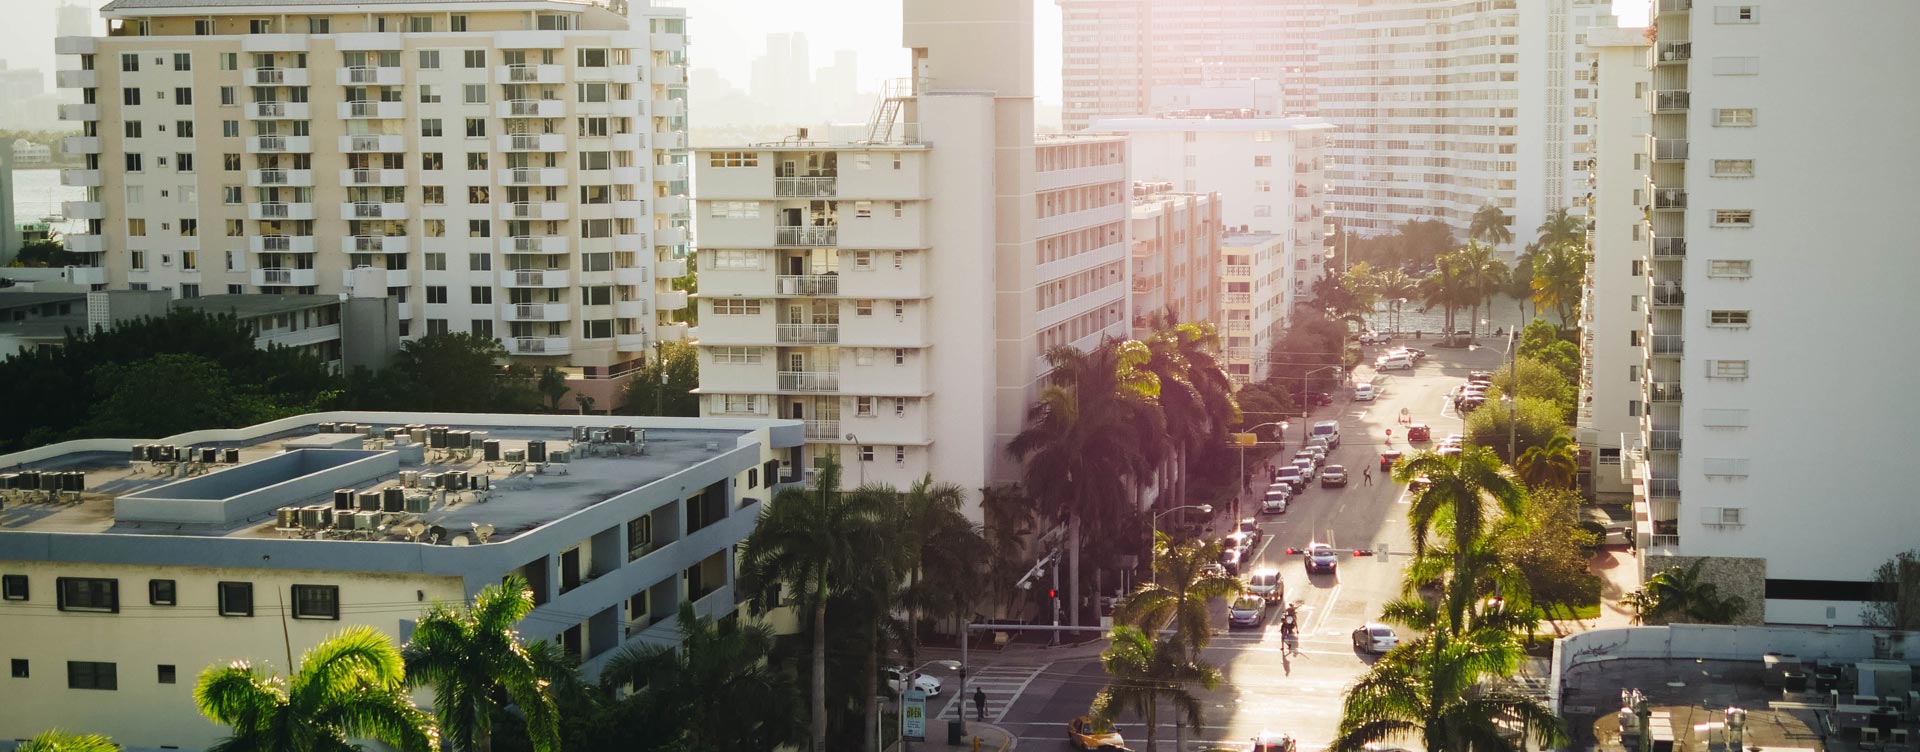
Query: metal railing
point(525, 141)
point(364, 143)
point(523, 175)
point(807, 334)
point(276, 242)
point(1672, 100)
point(363, 74)
point(529, 277)
point(273, 143)
point(1674, 52)
point(1145, 283)
point(1663, 488)
point(523, 74)
point(1669, 198)
point(1663, 391)
point(524, 209)
point(807, 236)
point(530, 344)
point(274, 210)
point(1663, 441)
point(1665, 149)
point(806, 187)
point(529, 243)
point(365, 176)
point(273, 177)
point(1668, 344)
point(271, 109)
point(1669, 247)
point(369, 243)
point(523, 107)
point(269, 77)
point(1665, 297)
point(1665, 541)
point(367, 210)
point(530, 311)
point(1236, 298)
point(1239, 327)
point(1675, 6)
point(823, 429)
point(1237, 270)
point(276, 276)
point(364, 109)
point(809, 284)
point(809, 381)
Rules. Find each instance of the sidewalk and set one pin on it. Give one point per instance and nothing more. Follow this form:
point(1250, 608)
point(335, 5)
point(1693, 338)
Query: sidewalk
point(980, 737)
point(1619, 573)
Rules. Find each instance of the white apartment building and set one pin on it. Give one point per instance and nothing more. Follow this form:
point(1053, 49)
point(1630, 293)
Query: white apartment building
point(1443, 106)
point(1769, 301)
point(1255, 300)
point(831, 270)
point(128, 567)
point(1614, 301)
point(1115, 53)
point(1176, 256)
point(516, 170)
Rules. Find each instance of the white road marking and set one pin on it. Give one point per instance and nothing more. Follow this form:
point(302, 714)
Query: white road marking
point(1003, 686)
point(1332, 598)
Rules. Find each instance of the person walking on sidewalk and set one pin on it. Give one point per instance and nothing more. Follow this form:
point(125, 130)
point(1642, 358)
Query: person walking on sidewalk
point(979, 704)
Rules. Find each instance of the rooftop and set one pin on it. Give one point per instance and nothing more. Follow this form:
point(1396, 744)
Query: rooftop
point(297, 6)
point(1250, 238)
point(1210, 122)
point(9, 300)
point(252, 306)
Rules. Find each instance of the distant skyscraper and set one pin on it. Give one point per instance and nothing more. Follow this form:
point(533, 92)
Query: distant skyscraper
point(838, 86)
point(782, 79)
point(73, 20)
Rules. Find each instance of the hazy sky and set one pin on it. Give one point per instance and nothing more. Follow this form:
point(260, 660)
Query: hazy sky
point(726, 34)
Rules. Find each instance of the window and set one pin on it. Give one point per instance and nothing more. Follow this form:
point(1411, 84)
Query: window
point(474, 58)
point(592, 58)
point(429, 127)
point(1733, 218)
point(1733, 168)
point(228, 97)
point(229, 61)
point(1729, 268)
point(479, 228)
point(899, 455)
point(866, 454)
point(1726, 369)
point(899, 308)
point(437, 326)
point(433, 195)
point(129, 96)
point(736, 307)
point(316, 602)
point(476, 127)
point(863, 308)
point(91, 675)
point(130, 128)
point(160, 593)
point(740, 403)
point(1729, 318)
point(1733, 117)
point(182, 61)
point(1262, 186)
point(429, 60)
point(230, 162)
point(479, 295)
point(863, 260)
point(863, 210)
point(899, 356)
point(429, 95)
point(479, 262)
point(319, 26)
point(1261, 137)
point(182, 162)
point(733, 159)
point(436, 294)
point(236, 598)
point(420, 24)
point(182, 95)
point(168, 674)
point(183, 128)
point(735, 355)
point(1736, 14)
point(733, 209)
point(476, 160)
point(474, 93)
point(229, 129)
point(260, 26)
point(591, 92)
point(13, 587)
point(457, 22)
point(1263, 161)
point(20, 668)
point(899, 407)
point(432, 160)
point(597, 329)
point(129, 62)
point(639, 536)
point(863, 407)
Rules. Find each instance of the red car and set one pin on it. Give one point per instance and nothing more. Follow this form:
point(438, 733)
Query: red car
point(1419, 432)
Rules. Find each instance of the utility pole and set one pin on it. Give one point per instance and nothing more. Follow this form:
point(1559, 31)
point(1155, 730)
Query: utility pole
point(1513, 398)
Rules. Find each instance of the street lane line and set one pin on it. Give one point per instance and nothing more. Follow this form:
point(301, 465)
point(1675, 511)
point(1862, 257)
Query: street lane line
point(1332, 598)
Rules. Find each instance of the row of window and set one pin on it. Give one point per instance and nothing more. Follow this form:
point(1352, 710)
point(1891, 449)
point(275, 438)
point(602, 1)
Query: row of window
point(102, 595)
point(93, 674)
point(751, 307)
point(860, 160)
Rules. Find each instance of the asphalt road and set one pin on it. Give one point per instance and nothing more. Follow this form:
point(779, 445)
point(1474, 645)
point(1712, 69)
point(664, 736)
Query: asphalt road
point(1268, 685)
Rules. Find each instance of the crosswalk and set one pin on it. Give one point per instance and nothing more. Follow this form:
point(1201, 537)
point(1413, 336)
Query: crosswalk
point(1002, 684)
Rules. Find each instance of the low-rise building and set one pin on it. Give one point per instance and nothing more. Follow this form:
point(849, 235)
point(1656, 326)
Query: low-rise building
point(343, 332)
point(128, 566)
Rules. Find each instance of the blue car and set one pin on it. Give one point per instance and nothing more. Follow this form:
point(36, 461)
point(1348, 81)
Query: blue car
point(1321, 559)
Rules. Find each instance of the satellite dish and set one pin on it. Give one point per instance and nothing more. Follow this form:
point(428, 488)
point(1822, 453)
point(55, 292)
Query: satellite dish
point(459, 539)
point(482, 532)
point(436, 534)
point(413, 530)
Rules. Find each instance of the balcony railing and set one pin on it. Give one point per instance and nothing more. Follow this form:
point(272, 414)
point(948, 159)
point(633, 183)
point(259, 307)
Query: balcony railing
point(1239, 327)
point(367, 210)
point(1669, 198)
point(269, 76)
point(1665, 297)
point(523, 74)
point(1672, 100)
point(529, 277)
point(809, 381)
point(1663, 441)
point(1669, 149)
point(1663, 488)
point(807, 187)
point(363, 74)
point(529, 243)
point(807, 236)
point(1669, 344)
point(530, 311)
point(523, 108)
point(823, 429)
point(369, 243)
point(530, 344)
point(276, 276)
point(1663, 391)
point(271, 109)
point(1675, 52)
point(1675, 6)
point(1236, 298)
point(807, 334)
point(809, 284)
point(1669, 247)
point(274, 210)
point(1238, 270)
point(273, 143)
point(526, 142)
point(276, 243)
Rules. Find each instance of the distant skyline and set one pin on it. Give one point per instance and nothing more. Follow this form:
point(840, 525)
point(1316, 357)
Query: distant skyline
point(726, 35)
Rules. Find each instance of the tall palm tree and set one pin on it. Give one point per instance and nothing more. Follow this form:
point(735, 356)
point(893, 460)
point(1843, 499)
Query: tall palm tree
point(714, 690)
point(1683, 594)
point(1145, 674)
point(1559, 272)
point(1552, 465)
point(351, 685)
point(1452, 691)
point(476, 665)
point(1009, 520)
point(1490, 224)
point(1466, 490)
point(1446, 287)
point(60, 741)
point(1481, 276)
point(1094, 432)
point(1561, 227)
point(1196, 396)
point(1181, 591)
point(807, 540)
point(1395, 287)
point(1495, 591)
point(945, 556)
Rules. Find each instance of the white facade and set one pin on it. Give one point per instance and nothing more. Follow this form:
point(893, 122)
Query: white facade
point(1255, 299)
point(1176, 257)
point(1447, 105)
point(1612, 367)
point(519, 173)
point(1771, 301)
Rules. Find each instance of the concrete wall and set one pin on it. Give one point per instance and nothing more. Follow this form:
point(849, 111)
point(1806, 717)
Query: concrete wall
point(369, 333)
point(255, 488)
point(1723, 643)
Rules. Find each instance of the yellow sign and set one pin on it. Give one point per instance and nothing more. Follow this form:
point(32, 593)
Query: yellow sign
point(1246, 439)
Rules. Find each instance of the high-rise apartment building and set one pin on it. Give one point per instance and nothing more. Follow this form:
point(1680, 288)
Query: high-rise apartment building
point(1444, 106)
point(1773, 447)
point(831, 270)
point(1255, 300)
point(1176, 256)
point(515, 173)
point(1614, 299)
point(1116, 52)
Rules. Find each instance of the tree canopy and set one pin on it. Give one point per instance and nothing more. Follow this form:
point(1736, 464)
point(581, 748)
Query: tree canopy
point(1537, 421)
point(645, 394)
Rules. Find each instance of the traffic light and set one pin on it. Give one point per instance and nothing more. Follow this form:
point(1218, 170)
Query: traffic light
point(1052, 593)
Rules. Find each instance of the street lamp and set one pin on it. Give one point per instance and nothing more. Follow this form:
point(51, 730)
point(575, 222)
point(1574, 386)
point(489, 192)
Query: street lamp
point(856, 458)
point(1244, 485)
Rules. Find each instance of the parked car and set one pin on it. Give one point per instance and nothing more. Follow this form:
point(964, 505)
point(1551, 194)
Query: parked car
point(1312, 398)
point(1251, 527)
point(1273, 741)
point(897, 680)
point(1321, 558)
point(1375, 638)
point(1319, 450)
point(1328, 429)
point(1333, 475)
point(1290, 475)
point(1306, 468)
point(1371, 337)
point(1393, 363)
point(1479, 375)
point(1419, 432)
point(1417, 353)
point(1317, 458)
point(1247, 611)
point(1230, 559)
point(1363, 393)
point(1274, 503)
point(1238, 542)
point(1267, 584)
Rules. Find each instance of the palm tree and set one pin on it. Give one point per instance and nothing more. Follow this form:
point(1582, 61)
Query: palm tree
point(945, 555)
point(1446, 287)
point(1481, 276)
point(1495, 591)
point(1095, 432)
point(60, 741)
point(806, 541)
point(1395, 287)
point(351, 685)
point(476, 665)
point(1181, 590)
point(1490, 224)
point(1009, 520)
point(1464, 489)
point(1683, 594)
point(1559, 272)
point(1562, 228)
point(1196, 396)
point(1144, 675)
point(1552, 465)
point(714, 689)
point(1452, 691)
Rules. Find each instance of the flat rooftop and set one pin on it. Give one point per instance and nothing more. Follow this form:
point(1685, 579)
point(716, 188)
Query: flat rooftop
point(519, 498)
point(11, 300)
point(1210, 122)
point(253, 306)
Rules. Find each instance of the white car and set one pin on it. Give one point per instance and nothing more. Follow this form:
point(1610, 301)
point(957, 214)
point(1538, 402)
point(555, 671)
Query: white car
point(1363, 393)
point(896, 680)
point(1375, 638)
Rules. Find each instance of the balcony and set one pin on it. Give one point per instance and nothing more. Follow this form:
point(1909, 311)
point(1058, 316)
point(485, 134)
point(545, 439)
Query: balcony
point(828, 430)
point(670, 205)
point(533, 176)
point(669, 140)
point(372, 177)
point(669, 75)
point(671, 300)
point(83, 209)
point(1672, 100)
point(274, 43)
point(75, 45)
point(1669, 150)
point(534, 210)
point(806, 237)
point(538, 345)
point(1239, 326)
point(537, 312)
point(385, 278)
point(372, 210)
point(1663, 391)
point(630, 309)
point(1669, 199)
point(1663, 441)
point(279, 145)
point(1663, 488)
point(1669, 344)
point(529, 74)
point(534, 277)
point(813, 187)
point(370, 144)
point(80, 145)
point(276, 77)
point(277, 110)
point(1669, 248)
point(635, 342)
point(279, 210)
point(1237, 270)
point(1146, 283)
point(1236, 298)
point(280, 244)
point(82, 243)
point(296, 178)
point(533, 108)
point(1674, 52)
point(533, 142)
point(676, 236)
point(280, 277)
point(1665, 296)
point(374, 110)
point(668, 173)
point(1673, 6)
point(534, 244)
point(807, 334)
point(809, 381)
point(675, 268)
point(374, 244)
point(805, 284)
point(76, 79)
point(79, 112)
point(368, 75)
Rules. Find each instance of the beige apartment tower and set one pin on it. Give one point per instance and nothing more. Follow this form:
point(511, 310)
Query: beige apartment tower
point(515, 170)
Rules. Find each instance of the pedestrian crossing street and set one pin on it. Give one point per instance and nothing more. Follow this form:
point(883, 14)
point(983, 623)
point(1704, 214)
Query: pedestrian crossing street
point(1003, 684)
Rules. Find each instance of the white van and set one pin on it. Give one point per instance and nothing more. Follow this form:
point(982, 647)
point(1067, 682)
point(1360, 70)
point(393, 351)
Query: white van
point(1394, 362)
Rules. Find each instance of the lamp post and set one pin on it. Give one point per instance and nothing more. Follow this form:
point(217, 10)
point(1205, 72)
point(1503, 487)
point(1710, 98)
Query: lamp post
point(1204, 509)
point(1244, 485)
point(856, 458)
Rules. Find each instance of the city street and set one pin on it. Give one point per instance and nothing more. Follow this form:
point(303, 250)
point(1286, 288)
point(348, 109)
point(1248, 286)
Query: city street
point(1267, 686)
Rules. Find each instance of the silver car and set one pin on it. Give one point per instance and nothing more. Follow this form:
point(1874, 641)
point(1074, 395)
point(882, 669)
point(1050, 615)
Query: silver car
point(1247, 611)
point(1375, 638)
